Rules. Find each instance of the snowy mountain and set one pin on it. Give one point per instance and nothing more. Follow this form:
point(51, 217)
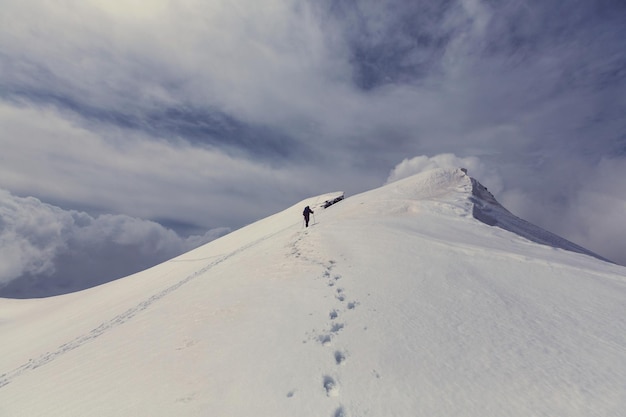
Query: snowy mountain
point(407, 300)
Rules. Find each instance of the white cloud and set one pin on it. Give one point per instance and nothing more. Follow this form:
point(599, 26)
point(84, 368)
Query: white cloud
point(476, 169)
point(29, 238)
point(595, 212)
point(228, 55)
point(47, 155)
point(57, 249)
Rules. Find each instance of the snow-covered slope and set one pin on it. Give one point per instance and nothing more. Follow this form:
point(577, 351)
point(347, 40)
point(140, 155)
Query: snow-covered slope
point(395, 302)
point(489, 211)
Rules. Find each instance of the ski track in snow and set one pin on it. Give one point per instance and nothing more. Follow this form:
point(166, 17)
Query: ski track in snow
point(8, 377)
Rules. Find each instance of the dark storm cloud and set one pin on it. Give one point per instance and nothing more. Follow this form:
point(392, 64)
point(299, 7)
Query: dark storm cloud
point(393, 41)
point(401, 42)
point(201, 126)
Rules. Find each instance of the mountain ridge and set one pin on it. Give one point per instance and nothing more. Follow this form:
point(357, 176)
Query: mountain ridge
point(394, 302)
point(430, 185)
point(489, 211)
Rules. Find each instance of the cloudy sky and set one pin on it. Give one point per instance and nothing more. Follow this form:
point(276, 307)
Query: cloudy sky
point(132, 130)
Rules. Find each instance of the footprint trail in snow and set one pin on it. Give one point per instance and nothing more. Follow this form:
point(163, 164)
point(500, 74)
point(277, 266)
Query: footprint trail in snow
point(337, 320)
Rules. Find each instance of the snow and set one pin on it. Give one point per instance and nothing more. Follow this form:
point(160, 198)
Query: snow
point(394, 302)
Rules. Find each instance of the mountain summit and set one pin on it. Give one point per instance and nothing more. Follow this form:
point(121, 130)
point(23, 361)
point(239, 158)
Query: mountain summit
point(394, 302)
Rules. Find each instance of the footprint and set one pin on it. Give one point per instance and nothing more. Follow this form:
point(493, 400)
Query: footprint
point(352, 305)
point(340, 357)
point(340, 412)
point(187, 399)
point(187, 344)
point(333, 314)
point(336, 327)
point(330, 386)
point(325, 339)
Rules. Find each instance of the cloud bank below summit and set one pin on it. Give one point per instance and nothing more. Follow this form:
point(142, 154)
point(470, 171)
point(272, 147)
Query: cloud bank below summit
point(47, 251)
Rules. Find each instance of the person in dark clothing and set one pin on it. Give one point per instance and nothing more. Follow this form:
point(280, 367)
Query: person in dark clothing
point(306, 213)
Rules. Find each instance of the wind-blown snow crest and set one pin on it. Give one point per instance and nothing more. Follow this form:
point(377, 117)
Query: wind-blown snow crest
point(394, 302)
point(489, 211)
point(468, 196)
